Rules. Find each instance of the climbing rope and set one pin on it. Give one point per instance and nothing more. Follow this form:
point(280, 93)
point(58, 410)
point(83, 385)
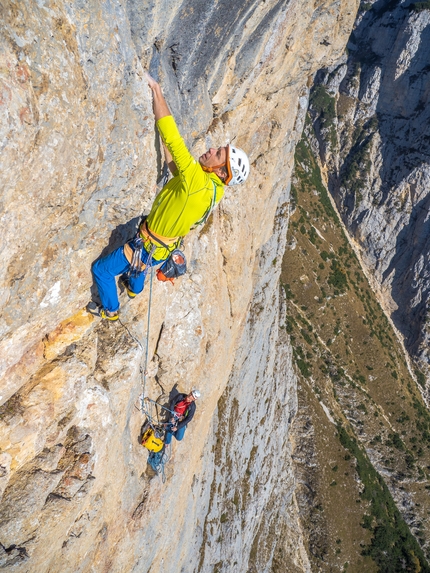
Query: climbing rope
point(160, 405)
point(157, 460)
point(147, 338)
point(143, 371)
point(147, 409)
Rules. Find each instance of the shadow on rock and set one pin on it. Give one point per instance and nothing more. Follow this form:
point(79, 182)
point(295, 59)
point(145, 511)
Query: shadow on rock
point(410, 270)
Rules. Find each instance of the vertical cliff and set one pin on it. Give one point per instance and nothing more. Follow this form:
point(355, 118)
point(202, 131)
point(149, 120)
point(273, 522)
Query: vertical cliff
point(371, 115)
point(80, 161)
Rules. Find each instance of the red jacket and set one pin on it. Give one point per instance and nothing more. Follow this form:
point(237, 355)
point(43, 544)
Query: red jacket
point(189, 412)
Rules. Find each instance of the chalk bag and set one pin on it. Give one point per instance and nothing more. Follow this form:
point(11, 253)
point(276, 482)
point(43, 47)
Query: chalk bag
point(175, 266)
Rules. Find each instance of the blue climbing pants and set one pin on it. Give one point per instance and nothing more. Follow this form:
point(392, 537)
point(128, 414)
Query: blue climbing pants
point(179, 434)
point(106, 269)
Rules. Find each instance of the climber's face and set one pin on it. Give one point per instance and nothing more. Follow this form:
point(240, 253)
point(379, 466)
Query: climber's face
point(213, 157)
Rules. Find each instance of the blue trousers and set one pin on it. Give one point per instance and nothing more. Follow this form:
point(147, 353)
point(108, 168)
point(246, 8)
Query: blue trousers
point(179, 434)
point(106, 269)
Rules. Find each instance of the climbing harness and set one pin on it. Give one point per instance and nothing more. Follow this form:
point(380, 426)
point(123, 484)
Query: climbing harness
point(146, 233)
point(136, 260)
point(135, 265)
point(175, 265)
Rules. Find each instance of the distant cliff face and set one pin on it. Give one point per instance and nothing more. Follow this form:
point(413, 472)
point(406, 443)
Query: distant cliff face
point(372, 115)
point(80, 161)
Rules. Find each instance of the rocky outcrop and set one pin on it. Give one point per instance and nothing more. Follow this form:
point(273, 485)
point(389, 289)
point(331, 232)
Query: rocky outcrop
point(371, 114)
point(80, 161)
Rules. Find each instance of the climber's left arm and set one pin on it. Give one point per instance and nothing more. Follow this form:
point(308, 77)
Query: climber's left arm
point(159, 104)
point(178, 158)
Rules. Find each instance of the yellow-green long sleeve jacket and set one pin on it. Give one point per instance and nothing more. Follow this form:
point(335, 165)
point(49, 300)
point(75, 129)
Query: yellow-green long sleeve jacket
point(187, 197)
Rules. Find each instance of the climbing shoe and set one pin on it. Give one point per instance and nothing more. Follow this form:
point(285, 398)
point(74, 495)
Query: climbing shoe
point(93, 308)
point(109, 315)
point(129, 292)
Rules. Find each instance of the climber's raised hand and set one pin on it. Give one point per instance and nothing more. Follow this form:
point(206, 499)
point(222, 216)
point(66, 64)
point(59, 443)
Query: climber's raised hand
point(151, 82)
point(159, 105)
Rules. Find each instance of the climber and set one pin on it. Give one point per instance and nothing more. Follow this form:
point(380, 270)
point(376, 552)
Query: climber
point(186, 200)
point(183, 407)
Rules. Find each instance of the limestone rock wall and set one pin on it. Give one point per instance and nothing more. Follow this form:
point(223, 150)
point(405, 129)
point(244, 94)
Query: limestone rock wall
point(375, 142)
point(80, 161)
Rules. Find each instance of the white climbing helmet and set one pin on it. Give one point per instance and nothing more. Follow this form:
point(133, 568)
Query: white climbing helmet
point(237, 166)
point(195, 393)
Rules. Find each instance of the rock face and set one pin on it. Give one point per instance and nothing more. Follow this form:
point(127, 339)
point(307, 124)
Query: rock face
point(80, 161)
point(375, 143)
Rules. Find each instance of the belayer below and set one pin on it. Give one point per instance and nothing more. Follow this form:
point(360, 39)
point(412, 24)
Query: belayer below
point(185, 201)
point(183, 407)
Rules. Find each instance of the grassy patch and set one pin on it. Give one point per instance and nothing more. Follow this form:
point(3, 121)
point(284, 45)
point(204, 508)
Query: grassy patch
point(337, 277)
point(323, 103)
point(419, 6)
point(311, 178)
point(357, 165)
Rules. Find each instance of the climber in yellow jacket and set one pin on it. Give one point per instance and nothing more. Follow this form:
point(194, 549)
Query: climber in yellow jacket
point(186, 200)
